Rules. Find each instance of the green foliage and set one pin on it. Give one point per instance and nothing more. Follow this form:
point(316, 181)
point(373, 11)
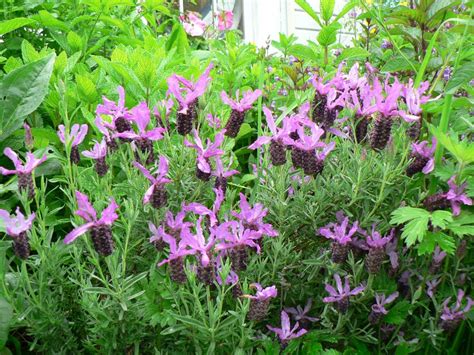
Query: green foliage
point(6, 313)
point(22, 91)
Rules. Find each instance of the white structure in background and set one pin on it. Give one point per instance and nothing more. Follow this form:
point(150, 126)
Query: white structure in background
point(265, 19)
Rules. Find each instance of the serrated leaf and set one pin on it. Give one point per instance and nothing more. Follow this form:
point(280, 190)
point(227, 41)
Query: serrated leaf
point(28, 52)
point(462, 150)
point(86, 88)
point(48, 20)
point(461, 76)
point(11, 64)
point(328, 34)
point(178, 39)
point(327, 9)
point(415, 230)
point(441, 218)
point(405, 214)
point(22, 91)
point(431, 240)
point(14, 24)
point(303, 52)
point(462, 225)
point(396, 64)
point(74, 41)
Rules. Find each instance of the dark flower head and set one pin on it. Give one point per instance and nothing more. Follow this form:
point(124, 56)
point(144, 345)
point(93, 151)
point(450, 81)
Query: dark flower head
point(205, 153)
point(88, 213)
point(157, 181)
point(140, 114)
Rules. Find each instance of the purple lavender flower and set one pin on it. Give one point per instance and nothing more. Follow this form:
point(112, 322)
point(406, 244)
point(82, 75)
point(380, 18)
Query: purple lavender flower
point(144, 138)
point(342, 294)
point(239, 107)
point(260, 302)
point(431, 287)
point(199, 245)
point(314, 151)
point(174, 225)
point(201, 210)
point(28, 137)
point(203, 168)
point(231, 279)
point(451, 317)
point(300, 314)
point(156, 193)
point(23, 171)
point(252, 217)
point(100, 229)
point(378, 309)
point(157, 236)
point(438, 257)
point(286, 333)
point(74, 138)
point(222, 175)
point(187, 113)
point(98, 153)
point(422, 158)
point(341, 237)
point(213, 121)
point(175, 257)
point(277, 146)
point(118, 112)
point(447, 73)
point(376, 244)
point(391, 249)
point(386, 44)
point(456, 196)
point(16, 227)
point(414, 99)
point(162, 111)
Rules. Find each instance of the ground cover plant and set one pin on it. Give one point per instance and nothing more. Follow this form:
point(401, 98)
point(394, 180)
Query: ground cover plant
point(168, 188)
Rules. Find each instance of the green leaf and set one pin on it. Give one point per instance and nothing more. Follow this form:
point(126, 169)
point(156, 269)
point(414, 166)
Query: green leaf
point(405, 214)
point(347, 7)
point(309, 10)
point(431, 240)
point(74, 41)
point(6, 315)
point(178, 39)
point(461, 76)
point(398, 313)
point(22, 91)
point(48, 20)
point(353, 53)
point(440, 218)
point(462, 225)
point(303, 52)
point(462, 150)
point(86, 89)
point(14, 24)
point(28, 52)
point(397, 63)
point(327, 9)
point(328, 34)
point(438, 6)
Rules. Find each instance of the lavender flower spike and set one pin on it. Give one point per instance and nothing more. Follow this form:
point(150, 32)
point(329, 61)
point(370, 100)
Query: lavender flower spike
point(222, 175)
point(239, 108)
point(187, 114)
point(16, 227)
point(23, 171)
point(377, 253)
point(203, 168)
point(156, 193)
point(456, 196)
point(252, 217)
point(301, 314)
point(422, 158)
point(378, 309)
point(260, 302)
point(286, 333)
point(201, 210)
point(451, 317)
point(438, 257)
point(98, 153)
point(341, 238)
point(277, 146)
point(144, 138)
point(175, 258)
point(100, 229)
point(342, 294)
point(75, 137)
point(119, 113)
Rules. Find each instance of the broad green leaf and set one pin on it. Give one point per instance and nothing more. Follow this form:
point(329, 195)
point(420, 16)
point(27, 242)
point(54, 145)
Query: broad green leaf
point(11, 64)
point(431, 240)
point(86, 89)
point(462, 225)
point(28, 52)
point(22, 91)
point(463, 151)
point(397, 63)
point(415, 230)
point(178, 39)
point(405, 214)
point(303, 52)
point(327, 9)
point(461, 76)
point(441, 218)
point(328, 34)
point(74, 41)
point(48, 20)
point(439, 5)
point(6, 315)
point(309, 10)
point(14, 24)
point(353, 53)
